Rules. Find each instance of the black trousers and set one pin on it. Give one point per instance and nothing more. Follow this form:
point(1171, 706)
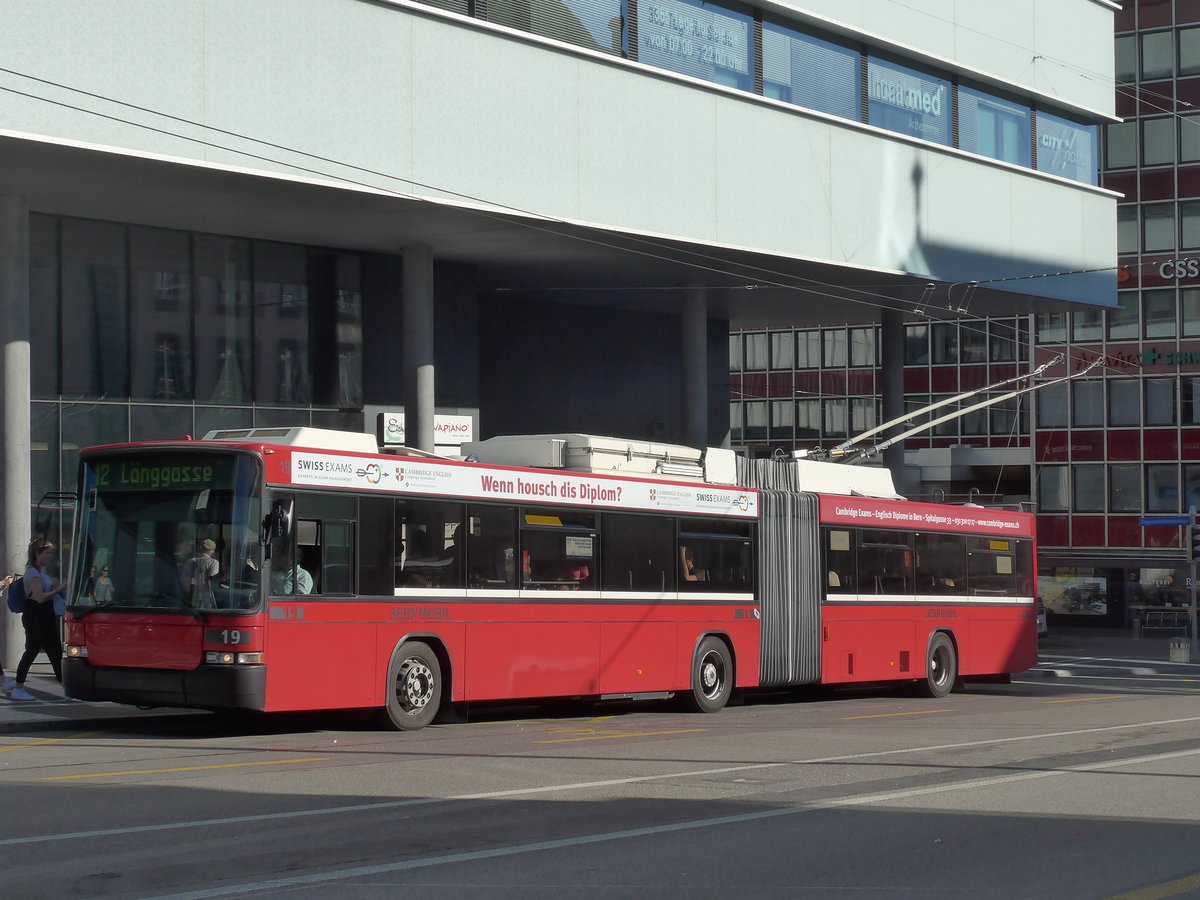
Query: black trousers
point(41, 633)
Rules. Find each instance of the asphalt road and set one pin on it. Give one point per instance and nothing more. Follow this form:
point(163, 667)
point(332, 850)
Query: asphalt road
point(1079, 780)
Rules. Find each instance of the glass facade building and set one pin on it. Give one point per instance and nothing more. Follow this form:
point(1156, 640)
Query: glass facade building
point(1106, 449)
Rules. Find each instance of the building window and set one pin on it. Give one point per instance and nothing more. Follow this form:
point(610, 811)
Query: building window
point(703, 40)
point(1160, 401)
point(1123, 322)
point(808, 349)
point(1008, 417)
point(908, 101)
point(1189, 400)
point(95, 320)
point(783, 354)
point(1159, 313)
point(585, 23)
point(783, 419)
point(1051, 406)
point(1189, 139)
point(1158, 55)
point(862, 348)
point(1191, 486)
point(1087, 488)
point(863, 416)
point(1051, 328)
point(1127, 228)
point(835, 417)
point(1120, 145)
point(810, 72)
point(1125, 488)
point(1190, 302)
point(1158, 141)
point(1087, 325)
point(945, 343)
point(834, 340)
point(1158, 226)
point(1002, 341)
point(1087, 403)
point(756, 420)
point(916, 345)
point(1066, 148)
point(1126, 59)
point(1053, 493)
point(1189, 224)
point(756, 351)
point(993, 126)
point(972, 338)
point(1162, 488)
point(735, 352)
point(808, 419)
point(1189, 51)
point(735, 422)
point(1124, 401)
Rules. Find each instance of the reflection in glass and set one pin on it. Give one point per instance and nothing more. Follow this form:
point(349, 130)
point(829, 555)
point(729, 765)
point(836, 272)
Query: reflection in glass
point(704, 40)
point(594, 24)
point(223, 320)
point(993, 126)
point(95, 310)
point(810, 72)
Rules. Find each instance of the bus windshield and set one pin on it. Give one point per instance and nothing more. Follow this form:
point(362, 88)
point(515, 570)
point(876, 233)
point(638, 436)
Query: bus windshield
point(168, 530)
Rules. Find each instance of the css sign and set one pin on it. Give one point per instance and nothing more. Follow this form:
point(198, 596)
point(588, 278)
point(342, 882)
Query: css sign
point(1179, 268)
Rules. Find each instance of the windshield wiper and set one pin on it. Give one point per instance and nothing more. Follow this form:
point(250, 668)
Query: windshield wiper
point(88, 610)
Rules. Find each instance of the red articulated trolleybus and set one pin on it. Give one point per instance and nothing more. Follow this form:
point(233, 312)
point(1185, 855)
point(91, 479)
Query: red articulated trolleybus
point(301, 569)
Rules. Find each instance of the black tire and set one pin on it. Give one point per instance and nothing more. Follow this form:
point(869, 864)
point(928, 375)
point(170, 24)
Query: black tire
point(941, 667)
point(414, 687)
point(712, 677)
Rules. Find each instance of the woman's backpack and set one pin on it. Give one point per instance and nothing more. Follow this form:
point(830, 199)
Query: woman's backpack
point(16, 595)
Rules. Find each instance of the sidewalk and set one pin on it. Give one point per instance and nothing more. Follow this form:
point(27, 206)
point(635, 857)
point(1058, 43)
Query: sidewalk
point(52, 713)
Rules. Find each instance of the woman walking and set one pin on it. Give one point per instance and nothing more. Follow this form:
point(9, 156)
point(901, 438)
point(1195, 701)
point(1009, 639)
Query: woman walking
point(9, 683)
point(39, 619)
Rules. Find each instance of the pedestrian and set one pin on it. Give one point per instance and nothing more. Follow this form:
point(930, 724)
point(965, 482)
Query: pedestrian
point(9, 683)
point(198, 576)
point(40, 618)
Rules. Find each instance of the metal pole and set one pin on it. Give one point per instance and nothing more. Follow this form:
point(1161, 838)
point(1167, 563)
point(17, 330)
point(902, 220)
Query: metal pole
point(1193, 641)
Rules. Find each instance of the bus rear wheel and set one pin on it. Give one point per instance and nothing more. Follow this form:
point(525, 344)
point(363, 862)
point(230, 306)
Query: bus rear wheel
point(712, 677)
point(414, 686)
point(941, 667)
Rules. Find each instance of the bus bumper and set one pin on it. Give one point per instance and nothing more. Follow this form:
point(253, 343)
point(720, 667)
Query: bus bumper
point(205, 687)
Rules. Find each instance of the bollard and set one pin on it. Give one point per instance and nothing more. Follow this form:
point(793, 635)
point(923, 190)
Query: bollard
point(1137, 628)
point(1180, 650)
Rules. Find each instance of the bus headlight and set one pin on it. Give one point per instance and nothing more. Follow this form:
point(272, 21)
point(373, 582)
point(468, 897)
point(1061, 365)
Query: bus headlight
point(76, 651)
point(229, 658)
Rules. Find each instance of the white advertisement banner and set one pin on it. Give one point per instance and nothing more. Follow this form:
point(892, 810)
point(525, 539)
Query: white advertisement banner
point(484, 483)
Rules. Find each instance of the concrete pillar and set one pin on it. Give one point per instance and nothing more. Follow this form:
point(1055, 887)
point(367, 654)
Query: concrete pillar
point(695, 366)
point(418, 348)
point(891, 349)
point(14, 408)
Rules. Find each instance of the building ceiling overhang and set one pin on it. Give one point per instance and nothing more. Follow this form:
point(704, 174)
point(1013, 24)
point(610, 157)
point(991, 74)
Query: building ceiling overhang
point(514, 255)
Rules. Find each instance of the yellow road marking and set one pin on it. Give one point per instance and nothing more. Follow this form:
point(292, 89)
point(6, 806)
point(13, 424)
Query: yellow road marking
point(919, 712)
point(1162, 891)
point(265, 762)
point(48, 741)
point(1086, 699)
point(620, 734)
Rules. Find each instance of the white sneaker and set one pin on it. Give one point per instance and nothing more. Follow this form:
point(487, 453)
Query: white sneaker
point(22, 694)
point(9, 684)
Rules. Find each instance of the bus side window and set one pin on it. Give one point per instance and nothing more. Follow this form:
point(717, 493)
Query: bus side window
point(839, 560)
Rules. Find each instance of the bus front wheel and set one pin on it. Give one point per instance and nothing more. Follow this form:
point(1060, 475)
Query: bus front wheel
point(414, 686)
point(941, 667)
point(712, 677)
